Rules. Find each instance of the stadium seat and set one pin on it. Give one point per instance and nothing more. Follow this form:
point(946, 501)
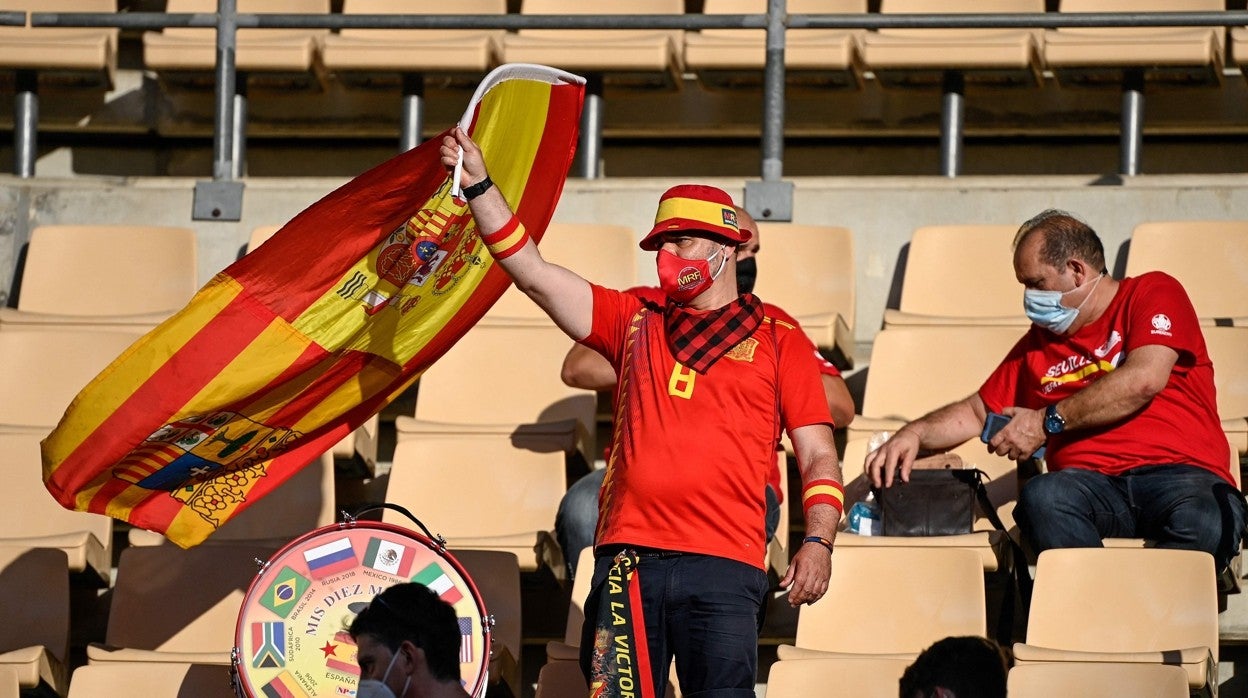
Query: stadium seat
point(284, 57)
point(892, 603)
point(1204, 256)
point(862, 677)
point(960, 275)
point(1127, 57)
point(561, 679)
point(496, 575)
point(949, 58)
point(42, 370)
point(104, 276)
point(414, 53)
point(809, 272)
point(85, 58)
point(30, 517)
point(1228, 349)
point(164, 680)
point(303, 503)
point(208, 582)
point(492, 487)
point(34, 638)
point(732, 57)
point(1125, 605)
point(1002, 486)
point(623, 57)
point(603, 253)
point(1105, 680)
point(9, 685)
point(916, 369)
point(484, 379)
point(362, 441)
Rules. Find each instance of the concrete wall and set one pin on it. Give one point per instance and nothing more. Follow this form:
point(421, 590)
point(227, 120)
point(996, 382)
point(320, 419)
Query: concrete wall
point(881, 211)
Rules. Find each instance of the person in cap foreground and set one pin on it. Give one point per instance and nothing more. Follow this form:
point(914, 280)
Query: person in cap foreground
point(706, 382)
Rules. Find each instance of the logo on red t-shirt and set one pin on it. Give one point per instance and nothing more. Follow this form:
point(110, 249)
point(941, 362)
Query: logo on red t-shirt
point(1161, 324)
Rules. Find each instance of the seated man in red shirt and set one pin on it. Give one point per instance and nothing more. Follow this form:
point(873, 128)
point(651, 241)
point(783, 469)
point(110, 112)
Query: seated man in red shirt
point(587, 369)
point(706, 383)
point(1113, 379)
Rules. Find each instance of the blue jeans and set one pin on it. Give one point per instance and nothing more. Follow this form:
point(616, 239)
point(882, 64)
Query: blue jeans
point(577, 518)
point(699, 609)
point(1178, 506)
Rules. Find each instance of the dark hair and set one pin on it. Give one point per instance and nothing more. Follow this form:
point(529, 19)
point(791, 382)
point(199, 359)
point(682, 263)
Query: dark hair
point(970, 667)
point(413, 612)
point(1065, 237)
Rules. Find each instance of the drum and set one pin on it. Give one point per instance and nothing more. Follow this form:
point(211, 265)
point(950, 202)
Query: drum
point(292, 639)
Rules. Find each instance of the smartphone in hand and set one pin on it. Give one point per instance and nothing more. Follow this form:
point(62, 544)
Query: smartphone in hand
point(993, 424)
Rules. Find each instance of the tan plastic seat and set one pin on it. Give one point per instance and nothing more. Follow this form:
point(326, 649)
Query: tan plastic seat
point(419, 51)
point(303, 503)
point(603, 253)
point(1205, 256)
point(863, 677)
point(516, 363)
point(916, 369)
point(363, 441)
point(1157, 607)
point(561, 679)
point(928, 593)
point(199, 627)
point(1239, 45)
point(84, 53)
point(496, 575)
point(104, 275)
point(43, 369)
point(9, 686)
point(491, 487)
point(29, 517)
point(34, 638)
point(958, 275)
point(809, 272)
point(729, 57)
point(193, 49)
point(1105, 680)
point(1228, 349)
point(164, 680)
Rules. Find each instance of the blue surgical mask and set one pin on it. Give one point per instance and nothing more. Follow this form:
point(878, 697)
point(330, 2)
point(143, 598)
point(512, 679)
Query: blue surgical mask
point(372, 688)
point(1046, 310)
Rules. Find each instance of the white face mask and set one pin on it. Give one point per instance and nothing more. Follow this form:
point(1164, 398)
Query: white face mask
point(372, 688)
point(1045, 308)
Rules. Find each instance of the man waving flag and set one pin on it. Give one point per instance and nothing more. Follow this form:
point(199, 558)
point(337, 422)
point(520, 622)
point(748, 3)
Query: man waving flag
point(295, 345)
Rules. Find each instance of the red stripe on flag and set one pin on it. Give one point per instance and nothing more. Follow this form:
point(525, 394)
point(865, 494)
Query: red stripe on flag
point(170, 386)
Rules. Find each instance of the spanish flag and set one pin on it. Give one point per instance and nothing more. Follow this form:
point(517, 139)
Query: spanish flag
point(291, 348)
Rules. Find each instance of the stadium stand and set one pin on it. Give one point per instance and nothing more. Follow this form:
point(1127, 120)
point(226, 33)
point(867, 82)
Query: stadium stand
point(959, 275)
point(137, 276)
point(951, 57)
point(283, 56)
point(151, 680)
point(865, 677)
point(1097, 680)
point(735, 57)
point(30, 518)
point(1228, 349)
point(34, 638)
point(810, 272)
point(371, 56)
point(497, 577)
point(1149, 605)
point(623, 57)
point(493, 487)
point(199, 628)
point(1204, 256)
point(83, 58)
point(916, 609)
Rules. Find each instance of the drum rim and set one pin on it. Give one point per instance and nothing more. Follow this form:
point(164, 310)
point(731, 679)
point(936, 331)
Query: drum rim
point(243, 682)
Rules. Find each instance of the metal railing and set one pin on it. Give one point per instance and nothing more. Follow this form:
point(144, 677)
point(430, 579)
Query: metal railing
point(771, 194)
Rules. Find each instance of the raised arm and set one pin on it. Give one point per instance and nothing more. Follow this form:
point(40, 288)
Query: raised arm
point(563, 295)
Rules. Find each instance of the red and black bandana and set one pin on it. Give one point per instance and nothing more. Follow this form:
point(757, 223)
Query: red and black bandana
point(699, 340)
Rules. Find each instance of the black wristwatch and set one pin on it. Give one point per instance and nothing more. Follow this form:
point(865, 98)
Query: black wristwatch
point(477, 189)
point(1053, 422)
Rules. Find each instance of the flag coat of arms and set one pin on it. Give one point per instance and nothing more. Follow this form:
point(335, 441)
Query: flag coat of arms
point(291, 348)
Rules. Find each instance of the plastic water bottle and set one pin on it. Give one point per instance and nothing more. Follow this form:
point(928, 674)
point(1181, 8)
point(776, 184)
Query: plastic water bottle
point(864, 517)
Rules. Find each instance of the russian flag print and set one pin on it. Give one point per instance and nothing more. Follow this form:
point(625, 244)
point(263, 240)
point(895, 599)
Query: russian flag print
point(330, 559)
point(294, 346)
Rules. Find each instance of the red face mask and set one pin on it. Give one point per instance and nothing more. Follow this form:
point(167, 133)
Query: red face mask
point(684, 279)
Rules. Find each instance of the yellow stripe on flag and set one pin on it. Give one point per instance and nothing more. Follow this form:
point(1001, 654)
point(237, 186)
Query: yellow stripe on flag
point(694, 209)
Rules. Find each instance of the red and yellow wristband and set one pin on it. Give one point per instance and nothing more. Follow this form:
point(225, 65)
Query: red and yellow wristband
point(824, 491)
point(507, 240)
